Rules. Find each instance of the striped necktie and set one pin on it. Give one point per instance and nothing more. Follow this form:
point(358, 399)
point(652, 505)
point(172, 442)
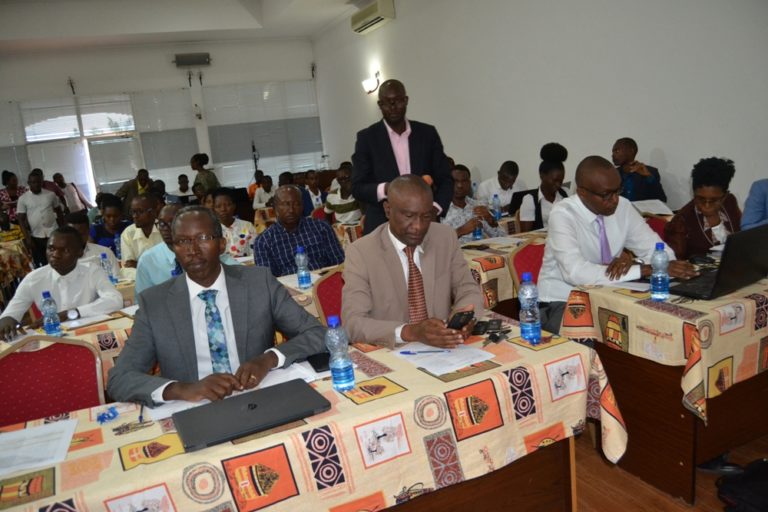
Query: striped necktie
point(417, 304)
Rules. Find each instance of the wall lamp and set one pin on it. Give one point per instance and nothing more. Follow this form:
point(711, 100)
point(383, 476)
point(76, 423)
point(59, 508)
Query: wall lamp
point(370, 85)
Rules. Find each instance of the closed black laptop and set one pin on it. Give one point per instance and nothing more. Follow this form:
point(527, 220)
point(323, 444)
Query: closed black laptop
point(744, 261)
point(248, 413)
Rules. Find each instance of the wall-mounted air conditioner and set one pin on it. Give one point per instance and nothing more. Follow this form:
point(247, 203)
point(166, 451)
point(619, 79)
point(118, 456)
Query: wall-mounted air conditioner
point(372, 17)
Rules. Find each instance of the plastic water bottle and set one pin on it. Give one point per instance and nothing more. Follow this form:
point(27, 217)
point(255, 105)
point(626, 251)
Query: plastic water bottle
point(107, 266)
point(477, 233)
point(302, 269)
point(496, 205)
point(118, 252)
point(660, 275)
point(51, 322)
point(342, 371)
point(530, 321)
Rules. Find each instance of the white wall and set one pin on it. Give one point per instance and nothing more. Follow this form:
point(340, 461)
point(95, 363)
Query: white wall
point(499, 78)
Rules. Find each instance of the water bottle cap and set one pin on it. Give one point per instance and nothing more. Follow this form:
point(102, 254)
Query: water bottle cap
point(46, 294)
point(333, 321)
point(299, 249)
point(659, 246)
point(103, 255)
point(495, 195)
point(527, 276)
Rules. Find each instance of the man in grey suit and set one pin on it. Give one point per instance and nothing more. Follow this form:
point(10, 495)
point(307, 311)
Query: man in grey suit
point(211, 329)
point(377, 300)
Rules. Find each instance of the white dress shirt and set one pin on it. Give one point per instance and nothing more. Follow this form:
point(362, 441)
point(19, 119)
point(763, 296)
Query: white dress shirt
point(528, 209)
point(491, 186)
point(572, 253)
point(86, 288)
point(399, 250)
point(200, 331)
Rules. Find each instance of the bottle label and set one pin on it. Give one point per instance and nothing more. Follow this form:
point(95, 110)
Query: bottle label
point(343, 378)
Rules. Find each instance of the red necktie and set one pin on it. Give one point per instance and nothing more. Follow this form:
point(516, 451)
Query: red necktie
point(417, 304)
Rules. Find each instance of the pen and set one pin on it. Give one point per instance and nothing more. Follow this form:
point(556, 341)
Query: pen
point(141, 414)
point(415, 352)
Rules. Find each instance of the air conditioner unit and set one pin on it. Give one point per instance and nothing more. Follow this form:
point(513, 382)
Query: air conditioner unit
point(192, 59)
point(372, 17)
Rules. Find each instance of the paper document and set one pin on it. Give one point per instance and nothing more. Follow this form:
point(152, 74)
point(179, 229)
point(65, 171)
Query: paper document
point(295, 371)
point(502, 240)
point(35, 447)
point(439, 363)
point(82, 322)
point(631, 285)
point(652, 207)
point(130, 310)
point(291, 281)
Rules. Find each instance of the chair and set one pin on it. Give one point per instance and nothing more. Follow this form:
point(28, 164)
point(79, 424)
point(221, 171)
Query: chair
point(62, 376)
point(527, 258)
point(327, 293)
point(318, 213)
point(657, 225)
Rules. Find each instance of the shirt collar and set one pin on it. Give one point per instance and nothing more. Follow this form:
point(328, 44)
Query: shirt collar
point(392, 132)
point(399, 246)
point(298, 226)
point(219, 284)
point(138, 233)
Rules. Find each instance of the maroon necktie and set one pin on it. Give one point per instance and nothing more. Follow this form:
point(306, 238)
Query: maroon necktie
point(417, 304)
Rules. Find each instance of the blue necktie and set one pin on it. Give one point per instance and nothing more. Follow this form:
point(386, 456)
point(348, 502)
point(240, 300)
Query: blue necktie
point(217, 342)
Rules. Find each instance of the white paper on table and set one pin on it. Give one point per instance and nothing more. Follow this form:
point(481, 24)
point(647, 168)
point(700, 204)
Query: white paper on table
point(276, 376)
point(130, 310)
point(631, 285)
point(243, 260)
point(443, 362)
point(501, 240)
point(35, 447)
point(652, 207)
point(86, 320)
point(292, 281)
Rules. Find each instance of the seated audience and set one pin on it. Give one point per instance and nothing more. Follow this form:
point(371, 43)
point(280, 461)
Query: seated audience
point(264, 194)
point(74, 200)
point(220, 318)
point(466, 214)
point(239, 234)
point(255, 183)
point(142, 234)
point(285, 178)
point(276, 246)
point(94, 213)
point(77, 289)
point(710, 216)
point(756, 205)
point(536, 204)
point(205, 177)
point(311, 195)
point(112, 225)
point(404, 279)
point(340, 203)
point(91, 252)
point(208, 200)
point(335, 182)
point(132, 188)
point(158, 264)
point(157, 189)
point(504, 184)
point(199, 193)
point(184, 193)
point(9, 232)
point(38, 212)
point(639, 182)
point(588, 233)
point(9, 195)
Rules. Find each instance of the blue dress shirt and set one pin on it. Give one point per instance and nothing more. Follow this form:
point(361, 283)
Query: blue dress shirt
point(756, 206)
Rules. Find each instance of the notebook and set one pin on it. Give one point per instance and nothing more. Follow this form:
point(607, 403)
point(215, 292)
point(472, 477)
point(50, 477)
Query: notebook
point(744, 261)
point(248, 413)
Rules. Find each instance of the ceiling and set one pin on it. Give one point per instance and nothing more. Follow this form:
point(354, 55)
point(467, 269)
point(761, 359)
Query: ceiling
point(60, 25)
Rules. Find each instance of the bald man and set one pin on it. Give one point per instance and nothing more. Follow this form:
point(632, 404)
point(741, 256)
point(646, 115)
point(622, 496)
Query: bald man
point(393, 147)
point(381, 302)
point(588, 233)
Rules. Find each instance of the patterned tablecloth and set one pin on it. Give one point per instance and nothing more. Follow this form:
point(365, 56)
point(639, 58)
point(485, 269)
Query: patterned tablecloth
point(400, 433)
point(15, 263)
point(718, 343)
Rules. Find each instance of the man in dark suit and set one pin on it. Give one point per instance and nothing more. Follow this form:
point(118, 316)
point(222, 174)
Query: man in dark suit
point(638, 181)
point(139, 185)
point(211, 329)
point(395, 146)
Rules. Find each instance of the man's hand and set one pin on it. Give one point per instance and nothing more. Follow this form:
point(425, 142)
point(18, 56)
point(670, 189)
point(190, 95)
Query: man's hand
point(484, 213)
point(9, 329)
point(639, 168)
point(619, 266)
point(466, 331)
point(468, 226)
point(681, 269)
point(251, 373)
point(432, 331)
point(214, 387)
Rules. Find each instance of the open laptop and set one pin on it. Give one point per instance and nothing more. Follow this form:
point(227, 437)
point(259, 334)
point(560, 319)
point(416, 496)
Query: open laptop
point(248, 413)
point(744, 261)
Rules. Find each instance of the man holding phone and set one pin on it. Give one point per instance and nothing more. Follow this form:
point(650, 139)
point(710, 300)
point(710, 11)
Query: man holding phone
point(406, 278)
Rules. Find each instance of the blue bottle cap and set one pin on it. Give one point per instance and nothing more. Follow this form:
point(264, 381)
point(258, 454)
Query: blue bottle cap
point(103, 255)
point(299, 249)
point(333, 321)
point(527, 276)
point(46, 294)
point(659, 246)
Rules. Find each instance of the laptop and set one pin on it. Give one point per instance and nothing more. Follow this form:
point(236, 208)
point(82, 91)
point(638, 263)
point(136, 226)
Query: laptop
point(744, 261)
point(248, 413)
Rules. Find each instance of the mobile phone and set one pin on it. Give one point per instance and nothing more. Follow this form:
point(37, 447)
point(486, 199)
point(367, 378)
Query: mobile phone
point(320, 361)
point(480, 328)
point(494, 325)
point(460, 319)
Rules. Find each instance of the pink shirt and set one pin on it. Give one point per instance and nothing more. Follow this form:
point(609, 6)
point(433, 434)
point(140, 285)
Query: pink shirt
point(402, 154)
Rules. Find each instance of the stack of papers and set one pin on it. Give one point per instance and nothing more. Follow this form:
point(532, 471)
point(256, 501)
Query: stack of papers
point(440, 362)
point(652, 207)
point(35, 447)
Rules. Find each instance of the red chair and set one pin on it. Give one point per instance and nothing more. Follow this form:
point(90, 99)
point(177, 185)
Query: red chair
point(62, 376)
point(327, 293)
point(319, 213)
point(657, 225)
point(528, 258)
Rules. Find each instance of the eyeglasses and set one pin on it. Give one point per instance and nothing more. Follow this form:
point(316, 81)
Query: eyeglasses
point(706, 201)
point(161, 224)
point(139, 212)
point(605, 196)
point(199, 239)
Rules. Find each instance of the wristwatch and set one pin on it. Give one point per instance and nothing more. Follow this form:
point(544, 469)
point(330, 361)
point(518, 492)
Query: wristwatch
point(73, 314)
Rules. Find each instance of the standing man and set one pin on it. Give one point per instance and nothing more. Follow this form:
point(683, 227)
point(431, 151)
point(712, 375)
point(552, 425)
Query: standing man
point(393, 147)
point(133, 188)
point(74, 199)
point(402, 281)
point(639, 182)
point(39, 212)
point(210, 330)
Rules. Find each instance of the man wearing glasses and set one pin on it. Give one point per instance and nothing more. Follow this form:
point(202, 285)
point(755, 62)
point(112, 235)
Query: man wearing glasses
point(210, 330)
point(588, 233)
point(142, 234)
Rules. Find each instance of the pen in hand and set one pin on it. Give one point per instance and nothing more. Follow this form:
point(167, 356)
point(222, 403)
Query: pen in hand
point(415, 352)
